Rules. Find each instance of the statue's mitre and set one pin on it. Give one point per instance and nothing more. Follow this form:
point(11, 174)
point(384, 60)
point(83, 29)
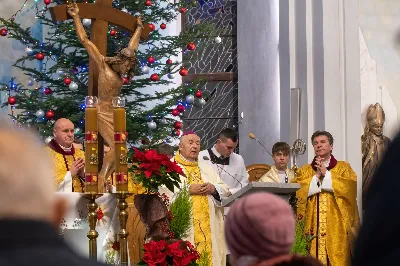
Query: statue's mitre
point(375, 114)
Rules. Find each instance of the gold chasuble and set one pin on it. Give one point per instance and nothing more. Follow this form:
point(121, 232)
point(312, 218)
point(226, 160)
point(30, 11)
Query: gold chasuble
point(62, 161)
point(331, 216)
point(201, 213)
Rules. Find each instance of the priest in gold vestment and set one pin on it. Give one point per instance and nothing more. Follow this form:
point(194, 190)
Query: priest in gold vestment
point(327, 200)
point(207, 190)
point(68, 161)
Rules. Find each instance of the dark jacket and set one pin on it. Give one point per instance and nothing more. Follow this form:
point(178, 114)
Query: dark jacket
point(28, 242)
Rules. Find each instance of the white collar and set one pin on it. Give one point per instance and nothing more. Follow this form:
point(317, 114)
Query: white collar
point(214, 150)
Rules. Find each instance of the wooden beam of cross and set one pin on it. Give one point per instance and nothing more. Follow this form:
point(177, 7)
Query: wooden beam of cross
point(101, 14)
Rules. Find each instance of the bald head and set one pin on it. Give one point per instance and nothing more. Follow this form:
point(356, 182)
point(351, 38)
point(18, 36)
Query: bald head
point(189, 146)
point(63, 132)
point(26, 176)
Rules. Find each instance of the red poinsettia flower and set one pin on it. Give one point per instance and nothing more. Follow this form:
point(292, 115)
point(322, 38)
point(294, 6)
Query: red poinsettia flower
point(154, 253)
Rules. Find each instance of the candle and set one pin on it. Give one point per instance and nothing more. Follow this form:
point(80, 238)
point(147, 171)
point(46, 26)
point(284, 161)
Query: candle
point(121, 160)
point(91, 145)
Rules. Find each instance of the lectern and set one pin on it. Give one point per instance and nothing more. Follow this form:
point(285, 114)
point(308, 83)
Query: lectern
point(285, 190)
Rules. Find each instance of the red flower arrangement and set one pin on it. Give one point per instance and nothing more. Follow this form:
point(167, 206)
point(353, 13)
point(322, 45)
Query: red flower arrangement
point(162, 253)
point(154, 170)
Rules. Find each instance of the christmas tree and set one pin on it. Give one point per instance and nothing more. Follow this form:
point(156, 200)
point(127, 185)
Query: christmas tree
point(62, 78)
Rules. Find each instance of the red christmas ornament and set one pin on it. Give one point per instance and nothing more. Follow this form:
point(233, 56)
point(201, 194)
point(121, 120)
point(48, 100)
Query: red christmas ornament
point(40, 56)
point(198, 94)
point(12, 100)
point(182, 10)
point(152, 27)
point(180, 108)
point(175, 112)
point(176, 132)
point(148, 3)
point(163, 26)
point(48, 91)
point(154, 77)
point(47, 2)
point(3, 32)
point(50, 114)
point(125, 79)
point(67, 81)
point(151, 59)
point(113, 32)
point(169, 61)
point(178, 125)
point(191, 46)
point(183, 71)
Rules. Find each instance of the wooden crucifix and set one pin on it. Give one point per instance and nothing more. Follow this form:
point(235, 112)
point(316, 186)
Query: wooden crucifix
point(102, 13)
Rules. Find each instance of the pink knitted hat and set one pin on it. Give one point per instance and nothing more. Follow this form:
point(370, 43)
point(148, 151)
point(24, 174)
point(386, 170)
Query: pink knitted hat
point(260, 225)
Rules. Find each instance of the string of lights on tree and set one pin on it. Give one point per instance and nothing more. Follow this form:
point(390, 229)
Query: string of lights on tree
point(61, 78)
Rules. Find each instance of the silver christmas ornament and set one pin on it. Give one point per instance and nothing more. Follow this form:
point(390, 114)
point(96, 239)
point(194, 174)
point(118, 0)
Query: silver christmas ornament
point(39, 113)
point(47, 140)
point(200, 102)
point(145, 70)
point(152, 125)
point(73, 86)
point(171, 76)
point(28, 51)
point(189, 99)
point(86, 22)
point(163, 121)
point(217, 39)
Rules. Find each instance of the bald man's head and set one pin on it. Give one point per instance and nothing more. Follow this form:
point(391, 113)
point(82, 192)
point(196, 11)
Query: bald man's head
point(63, 132)
point(189, 146)
point(26, 177)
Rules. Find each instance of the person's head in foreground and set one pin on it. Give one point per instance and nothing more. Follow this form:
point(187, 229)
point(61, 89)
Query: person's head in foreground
point(30, 212)
point(189, 146)
point(260, 230)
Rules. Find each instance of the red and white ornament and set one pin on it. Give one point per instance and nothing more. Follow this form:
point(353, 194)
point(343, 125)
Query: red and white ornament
point(126, 80)
point(198, 94)
point(148, 3)
point(180, 108)
point(12, 100)
point(40, 56)
point(163, 26)
point(152, 27)
point(183, 72)
point(169, 62)
point(67, 81)
point(154, 77)
point(175, 112)
point(3, 32)
point(151, 59)
point(113, 32)
point(191, 46)
point(47, 91)
point(178, 125)
point(49, 114)
point(47, 2)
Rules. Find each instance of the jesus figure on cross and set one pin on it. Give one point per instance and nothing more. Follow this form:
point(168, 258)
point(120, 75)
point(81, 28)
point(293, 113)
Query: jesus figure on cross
point(110, 81)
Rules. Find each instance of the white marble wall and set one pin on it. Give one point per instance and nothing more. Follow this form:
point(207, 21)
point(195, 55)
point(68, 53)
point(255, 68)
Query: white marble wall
point(372, 93)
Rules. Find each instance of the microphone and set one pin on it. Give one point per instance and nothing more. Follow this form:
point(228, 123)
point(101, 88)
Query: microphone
point(252, 136)
point(205, 158)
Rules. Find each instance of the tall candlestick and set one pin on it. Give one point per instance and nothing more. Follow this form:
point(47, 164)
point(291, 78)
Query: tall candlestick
point(91, 145)
point(121, 156)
